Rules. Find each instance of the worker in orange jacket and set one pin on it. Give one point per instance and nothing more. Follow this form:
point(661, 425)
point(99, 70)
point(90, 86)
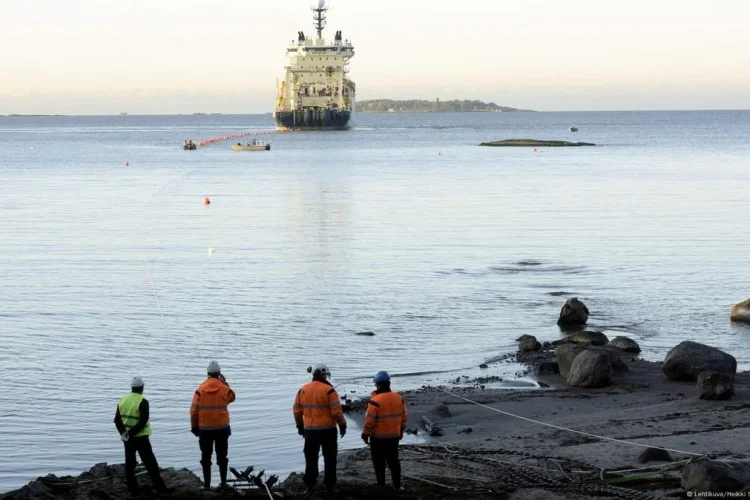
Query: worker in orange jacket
point(317, 411)
point(209, 421)
point(385, 421)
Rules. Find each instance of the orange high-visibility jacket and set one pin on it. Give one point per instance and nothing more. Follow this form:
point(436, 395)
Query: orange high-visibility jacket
point(317, 407)
point(209, 411)
point(386, 416)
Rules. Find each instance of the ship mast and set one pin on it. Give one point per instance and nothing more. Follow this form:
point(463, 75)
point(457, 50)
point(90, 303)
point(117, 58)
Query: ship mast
point(319, 17)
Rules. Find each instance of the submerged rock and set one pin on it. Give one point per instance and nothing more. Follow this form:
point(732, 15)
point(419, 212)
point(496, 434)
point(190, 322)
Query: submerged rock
point(741, 312)
point(590, 369)
point(713, 476)
point(654, 455)
point(365, 334)
point(573, 312)
point(625, 344)
point(688, 359)
point(587, 337)
point(715, 385)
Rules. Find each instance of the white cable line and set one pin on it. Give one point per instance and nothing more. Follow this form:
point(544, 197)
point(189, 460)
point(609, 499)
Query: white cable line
point(571, 430)
point(153, 288)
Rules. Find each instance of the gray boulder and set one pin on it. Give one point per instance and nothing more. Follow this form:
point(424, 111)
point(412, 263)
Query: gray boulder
point(741, 312)
point(529, 345)
point(715, 385)
point(688, 359)
point(716, 477)
point(625, 344)
point(590, 369)
point(587, 337)
point(573, 312)
point(614, 357)
point(565, 355)
point(525, 337)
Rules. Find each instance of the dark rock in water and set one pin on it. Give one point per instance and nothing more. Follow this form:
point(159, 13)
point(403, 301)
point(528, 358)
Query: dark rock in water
point(483, 365)
point(715, 385)
point(543, 385)
point(741, 312)
point(688, 359)
point(565, 355)
point(534, 143)
point(529, 345)
point(587, 337)
point(442, 411)
point(559, 294)
point(573, 312)
point(525, 337)
point(590, 369)
point(547, 368)
point(528, 263)
point(625, 344)
point(365, 334)
point(705, 475)
point(466, 430)
point(654, 455)
point(562, 341)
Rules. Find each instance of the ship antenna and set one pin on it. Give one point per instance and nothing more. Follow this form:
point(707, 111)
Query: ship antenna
point(319, 17)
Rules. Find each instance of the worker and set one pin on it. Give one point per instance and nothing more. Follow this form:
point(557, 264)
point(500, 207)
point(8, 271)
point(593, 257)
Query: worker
point(131, 420)
point(209, 422)
point(317, 411)
point(385, 421)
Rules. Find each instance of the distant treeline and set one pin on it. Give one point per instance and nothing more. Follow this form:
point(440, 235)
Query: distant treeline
point(422, 106)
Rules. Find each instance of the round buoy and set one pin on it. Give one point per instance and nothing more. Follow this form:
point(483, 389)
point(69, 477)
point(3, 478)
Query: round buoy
point(127, 163)
point(440, 154)
point(211, 251)
point(206, 200)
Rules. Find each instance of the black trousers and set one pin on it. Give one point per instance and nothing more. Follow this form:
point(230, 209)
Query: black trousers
point(386, 451)
point(207, 444)
point(142, 446)
point(314, 441)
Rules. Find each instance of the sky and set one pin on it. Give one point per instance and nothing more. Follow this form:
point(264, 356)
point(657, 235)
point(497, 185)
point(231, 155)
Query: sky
point(187, 56)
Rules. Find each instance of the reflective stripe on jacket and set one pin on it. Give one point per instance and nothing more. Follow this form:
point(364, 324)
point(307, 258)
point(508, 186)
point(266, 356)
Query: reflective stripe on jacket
point(386, 416)
point(209, 411)
point(317, 407)
point(130, 413)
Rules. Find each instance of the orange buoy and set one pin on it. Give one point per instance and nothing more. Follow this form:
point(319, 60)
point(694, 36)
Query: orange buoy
point(440, 154)
point(206, 200)
point(127, 163)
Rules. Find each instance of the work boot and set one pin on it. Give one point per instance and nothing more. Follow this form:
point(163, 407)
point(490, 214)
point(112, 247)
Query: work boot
point(223, 473)
point(206, 477)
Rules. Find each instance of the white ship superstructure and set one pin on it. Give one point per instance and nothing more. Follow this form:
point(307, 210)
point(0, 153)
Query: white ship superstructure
point(316, 93)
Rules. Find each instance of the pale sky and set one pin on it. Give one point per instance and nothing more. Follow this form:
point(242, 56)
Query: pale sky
point(186, 56)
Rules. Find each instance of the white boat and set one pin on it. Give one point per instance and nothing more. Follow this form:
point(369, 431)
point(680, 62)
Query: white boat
point(254, 145)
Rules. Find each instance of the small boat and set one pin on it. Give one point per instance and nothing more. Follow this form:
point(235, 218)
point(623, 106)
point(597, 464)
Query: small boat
point(190, 146)
point(573, 129)
point(255, 145)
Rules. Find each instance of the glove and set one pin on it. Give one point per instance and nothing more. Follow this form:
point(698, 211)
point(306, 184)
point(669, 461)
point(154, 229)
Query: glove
point(366, 438)
point(342, 430)
point(301, 430)
point(195, 432)
point(125, 436)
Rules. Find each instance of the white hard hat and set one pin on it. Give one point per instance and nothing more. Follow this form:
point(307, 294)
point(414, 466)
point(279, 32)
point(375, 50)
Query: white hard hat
point(213, 367)
point(320, 368)
point(136, 382)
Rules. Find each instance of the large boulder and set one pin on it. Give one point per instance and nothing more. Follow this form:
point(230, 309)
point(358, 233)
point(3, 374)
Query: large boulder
point(715, 385)
point(573, 312)
point(741, 312)
point(654, 455)
point(625, 344)
point(590, 369)
point(688, 359)
point(565, 355)
point(715, 477)
point(614, 357)
point(587, 337)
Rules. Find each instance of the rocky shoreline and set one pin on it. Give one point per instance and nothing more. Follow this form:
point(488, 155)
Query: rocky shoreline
point(601, 423)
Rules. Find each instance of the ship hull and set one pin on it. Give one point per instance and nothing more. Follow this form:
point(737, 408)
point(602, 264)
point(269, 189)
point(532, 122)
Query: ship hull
point(312, 119)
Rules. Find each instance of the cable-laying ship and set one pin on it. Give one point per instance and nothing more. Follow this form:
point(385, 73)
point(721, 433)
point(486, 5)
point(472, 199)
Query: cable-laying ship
point(316, 93)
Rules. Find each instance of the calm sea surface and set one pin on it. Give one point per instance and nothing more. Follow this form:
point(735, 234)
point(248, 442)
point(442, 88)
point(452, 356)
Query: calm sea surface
point(402, 226)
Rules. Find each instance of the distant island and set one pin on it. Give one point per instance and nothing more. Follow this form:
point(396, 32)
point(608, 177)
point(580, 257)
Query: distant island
point(436, 106)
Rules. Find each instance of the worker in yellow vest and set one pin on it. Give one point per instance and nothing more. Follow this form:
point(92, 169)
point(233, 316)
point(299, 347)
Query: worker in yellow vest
point(385, 421)
point(131, 420)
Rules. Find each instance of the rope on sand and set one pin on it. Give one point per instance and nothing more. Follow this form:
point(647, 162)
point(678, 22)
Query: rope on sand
point(571, 430)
